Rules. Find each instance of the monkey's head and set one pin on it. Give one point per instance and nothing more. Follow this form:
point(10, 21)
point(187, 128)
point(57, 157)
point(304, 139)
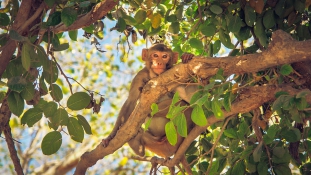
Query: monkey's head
point(159, 58)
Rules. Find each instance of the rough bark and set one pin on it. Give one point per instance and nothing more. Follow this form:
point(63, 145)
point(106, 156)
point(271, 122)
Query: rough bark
point(283, 49)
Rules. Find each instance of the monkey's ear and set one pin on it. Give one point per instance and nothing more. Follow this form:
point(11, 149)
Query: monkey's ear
point(144, 54)
point(175, 57)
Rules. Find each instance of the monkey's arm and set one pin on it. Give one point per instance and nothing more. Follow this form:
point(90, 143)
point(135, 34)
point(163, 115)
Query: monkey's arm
point(138, 83)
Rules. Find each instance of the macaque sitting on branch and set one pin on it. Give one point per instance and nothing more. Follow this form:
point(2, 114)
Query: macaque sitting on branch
point(158, 58)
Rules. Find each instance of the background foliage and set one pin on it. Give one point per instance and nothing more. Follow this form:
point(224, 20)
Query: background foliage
point(52, 78)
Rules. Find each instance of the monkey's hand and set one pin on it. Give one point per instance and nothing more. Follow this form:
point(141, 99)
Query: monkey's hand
point(106, 141)
point(186, 57)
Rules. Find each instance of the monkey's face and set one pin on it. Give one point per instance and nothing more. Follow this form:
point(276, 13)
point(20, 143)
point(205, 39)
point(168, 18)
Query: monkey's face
point(159, 61)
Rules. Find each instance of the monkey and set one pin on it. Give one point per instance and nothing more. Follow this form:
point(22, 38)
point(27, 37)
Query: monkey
point(158, 59)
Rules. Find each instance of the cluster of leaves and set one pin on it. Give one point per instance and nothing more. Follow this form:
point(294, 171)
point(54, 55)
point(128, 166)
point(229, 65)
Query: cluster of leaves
point(28, 76)
point(202, 26)
point(32, 74)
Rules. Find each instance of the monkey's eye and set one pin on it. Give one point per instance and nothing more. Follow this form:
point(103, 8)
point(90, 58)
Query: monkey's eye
point(155, 55)
point(164, 56)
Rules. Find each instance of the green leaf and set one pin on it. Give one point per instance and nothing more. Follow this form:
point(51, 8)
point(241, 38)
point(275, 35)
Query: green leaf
point(50, 3)
point(259, 31)
point(154, 108)
point(50, 108)
point(214, 168)
point(231, 133)
point(239, 168)
point(234, 23)
point(286, 69)
point(16, 36)
point(78, 101)
point(4, 19)
point(280, 8)
point(51, 143)
point(301, 103)
point(227, 101)
point(140, 16)
point(271, 132)
point(302, 94)
point(68, 16)
point(208, 29)
point(268, 19)
point(26, 55)
point(85, 4)
point(262, 168)
point(17, 83)
point(16, 103)
point(171, 18)
point(43, 57)
point(41, 104)
point(171, 133)
point(174, 28)
point(28, 92)
point(279, 152)
point(291, 135)
point(244, 128)
point(300, 6)
point(176, 98)
point(279, 93)
point(31, 116)
point(85, 124)
point(216, 46)
point(196, 43)
point(50, 72)
point(250, 15)
point(218, 113)
point(61, 47)
point(202, 100)
point(246, 152)
point(75, 130)
point(198, 116)
point(216, 9)
point(196, 96)
point(60, 117)
point(73, 34)
point(279, 102)
point(121, 24)
point(225, 39)
point(56, 92)
point(257, 152)
point(182, 125)
point(54, 19)
point(282, 169)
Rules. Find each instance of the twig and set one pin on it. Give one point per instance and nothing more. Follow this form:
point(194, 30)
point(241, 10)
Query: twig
point(62, 72)
point(215, 143)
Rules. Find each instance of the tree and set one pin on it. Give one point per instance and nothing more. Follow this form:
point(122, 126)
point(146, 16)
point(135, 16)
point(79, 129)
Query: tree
point(255, 101)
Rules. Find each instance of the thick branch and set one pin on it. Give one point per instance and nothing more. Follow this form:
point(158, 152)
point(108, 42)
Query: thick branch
point(282, 50)
point(249, 99)
point(99, 10)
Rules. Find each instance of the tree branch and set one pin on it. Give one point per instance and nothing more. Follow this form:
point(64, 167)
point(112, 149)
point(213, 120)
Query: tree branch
point(282, 50)
point(99, 10)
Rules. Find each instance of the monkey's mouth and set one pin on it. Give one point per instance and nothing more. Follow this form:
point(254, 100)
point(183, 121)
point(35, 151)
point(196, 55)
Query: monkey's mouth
point(158, 70)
